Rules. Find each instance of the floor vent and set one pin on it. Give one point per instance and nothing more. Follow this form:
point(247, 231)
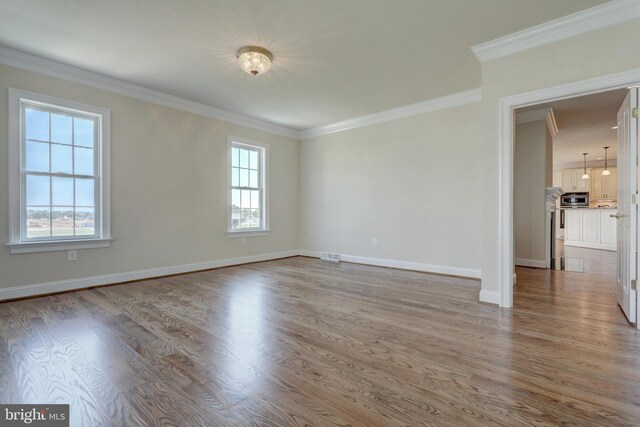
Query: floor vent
point(328, 256)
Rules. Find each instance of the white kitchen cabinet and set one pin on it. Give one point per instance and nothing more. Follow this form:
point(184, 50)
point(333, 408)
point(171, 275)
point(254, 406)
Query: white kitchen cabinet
point(608, 228)
point(571, 180)
point(604, 187)
point(590, 228)
point(572, 225)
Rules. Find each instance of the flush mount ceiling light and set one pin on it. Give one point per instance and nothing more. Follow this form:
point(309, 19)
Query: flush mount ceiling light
point(606, 171)
point(585, 175)
point(254, 60)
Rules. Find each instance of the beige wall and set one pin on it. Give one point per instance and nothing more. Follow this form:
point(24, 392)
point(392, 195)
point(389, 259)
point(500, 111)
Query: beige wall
point(168, 177)
point(533, 172)
point(412, 183)
point(602, 52)
point(426, 186)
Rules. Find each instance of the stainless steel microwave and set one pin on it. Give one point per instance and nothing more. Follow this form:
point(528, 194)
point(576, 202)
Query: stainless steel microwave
point(574, 200)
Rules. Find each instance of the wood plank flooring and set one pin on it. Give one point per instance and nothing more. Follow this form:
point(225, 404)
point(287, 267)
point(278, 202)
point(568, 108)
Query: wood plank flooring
point(302, 342)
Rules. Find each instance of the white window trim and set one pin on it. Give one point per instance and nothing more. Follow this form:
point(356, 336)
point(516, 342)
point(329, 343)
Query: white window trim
point(15, 244)
point(265, 179)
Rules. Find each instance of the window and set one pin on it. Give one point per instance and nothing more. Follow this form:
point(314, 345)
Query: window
point(248, 207)
point(58, 174)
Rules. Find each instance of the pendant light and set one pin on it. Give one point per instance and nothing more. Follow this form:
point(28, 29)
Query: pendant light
point(606, 171)
point(585, 175)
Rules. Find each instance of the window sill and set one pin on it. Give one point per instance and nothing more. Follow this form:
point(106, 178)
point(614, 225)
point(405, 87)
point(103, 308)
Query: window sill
point(58, 245)
point(248, 233)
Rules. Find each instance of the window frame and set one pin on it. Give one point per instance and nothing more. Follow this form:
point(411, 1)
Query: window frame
point(18, 241)
point(263, 179)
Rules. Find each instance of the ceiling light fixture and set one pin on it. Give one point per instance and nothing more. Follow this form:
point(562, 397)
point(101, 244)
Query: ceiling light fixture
point(254, 60)
point(585, 175)
point(606, 171)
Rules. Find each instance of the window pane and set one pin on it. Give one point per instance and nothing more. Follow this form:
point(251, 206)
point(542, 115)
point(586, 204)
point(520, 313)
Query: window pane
point(235, 198)
point(36, 124)
point(85, 192)
point(235, 157)
point(38, 190)
point(61, 158)
point(37, 156)
point(244, 178)
point(254, 219)
point(253, 160)
point(83, 161)
point(62, 191)
point(246, 216)
point(38, 224)
point(236, 218)
point(83, 132)
point(255, 199)
point(244, 158)
point(253, 179)
point(245, 199)
point(85, 222)
point(235, 177)
point(61, 128)
point(62, 221)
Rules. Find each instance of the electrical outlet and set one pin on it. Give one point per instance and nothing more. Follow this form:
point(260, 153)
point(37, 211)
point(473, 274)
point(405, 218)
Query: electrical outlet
point(72, 255)
point(374, 241)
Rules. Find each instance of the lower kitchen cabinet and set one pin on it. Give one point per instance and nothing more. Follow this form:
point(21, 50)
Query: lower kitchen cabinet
point(590, 228)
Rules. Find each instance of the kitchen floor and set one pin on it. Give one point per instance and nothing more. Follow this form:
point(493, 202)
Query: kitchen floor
point(582, 260)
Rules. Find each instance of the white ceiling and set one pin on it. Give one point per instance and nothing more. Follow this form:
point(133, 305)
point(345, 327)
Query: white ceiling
point(334, 59)
point(584, 126)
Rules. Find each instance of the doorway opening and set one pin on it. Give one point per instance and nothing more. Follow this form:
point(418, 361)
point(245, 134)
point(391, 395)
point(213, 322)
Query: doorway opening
point(565, 195)
point(574, 256)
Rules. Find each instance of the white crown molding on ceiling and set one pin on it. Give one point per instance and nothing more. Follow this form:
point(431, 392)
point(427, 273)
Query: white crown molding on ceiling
point(545, 114)
point(604, 15)
point(441, 103)
point(48, 67)
point(26, 61)
point(580, 165)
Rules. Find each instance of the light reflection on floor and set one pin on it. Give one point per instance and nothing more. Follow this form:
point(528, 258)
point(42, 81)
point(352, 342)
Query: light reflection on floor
point(245, 332)
point(583, 260)
point(575, 265)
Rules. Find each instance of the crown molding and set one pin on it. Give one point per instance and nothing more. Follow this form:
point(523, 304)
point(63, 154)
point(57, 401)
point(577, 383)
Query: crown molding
point(48, 67)
point(551, 123)
point(590, 164)
point(604, 15)
point(532, 116)
point(545, 114)
point(441, 103)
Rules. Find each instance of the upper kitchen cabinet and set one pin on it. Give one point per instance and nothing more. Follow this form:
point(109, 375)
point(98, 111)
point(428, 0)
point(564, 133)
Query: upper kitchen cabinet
point(571, 180)
point(604, 187)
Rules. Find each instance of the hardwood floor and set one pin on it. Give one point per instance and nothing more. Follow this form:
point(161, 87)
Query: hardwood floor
point(589, 261)
point(302, 342)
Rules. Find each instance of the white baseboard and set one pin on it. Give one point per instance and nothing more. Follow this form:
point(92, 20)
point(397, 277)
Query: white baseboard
point(535, 263)
point(85, 282)
point(490, 297)
point(403, 265)
point(107, 279)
